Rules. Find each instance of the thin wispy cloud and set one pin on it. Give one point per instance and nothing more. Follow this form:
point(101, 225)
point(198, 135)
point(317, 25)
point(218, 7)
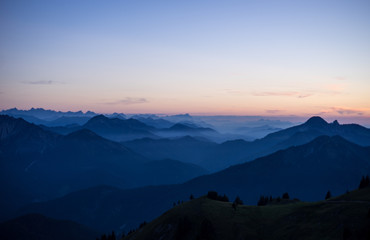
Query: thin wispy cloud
point(236, 92)
point(296, 94)
point(263, 94)
point(274, 111)
point(345, 111)
point(348, 111)
point(42, 82)
point(127, 101)
point(283, 94)
point(305, 95)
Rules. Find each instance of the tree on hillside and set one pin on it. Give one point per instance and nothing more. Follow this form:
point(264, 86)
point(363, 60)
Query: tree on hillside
point(224, 198)
point(112, 237)
point(262, 201)
point(191, 197)
point(365, 182)
point(212, 195)
point(285, 196)
point(237, 202)
point(328, 195)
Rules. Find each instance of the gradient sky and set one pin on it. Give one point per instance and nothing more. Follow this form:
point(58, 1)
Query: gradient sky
point(200, 57)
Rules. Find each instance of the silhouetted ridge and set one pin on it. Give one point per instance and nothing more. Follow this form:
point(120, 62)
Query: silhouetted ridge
point(83, 134)
point(137, 123)
point(316, 121)
point(179, 126)
point(236, 142)
point(102, 121)
point(98, 118)
point(19, 128)
point(330, 142)
point(186, 127)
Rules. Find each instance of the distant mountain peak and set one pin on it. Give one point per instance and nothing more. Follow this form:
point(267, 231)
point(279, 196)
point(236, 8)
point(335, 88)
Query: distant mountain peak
point(100, 116)
point(316, 121)
point(97, 119)
point(336, 123)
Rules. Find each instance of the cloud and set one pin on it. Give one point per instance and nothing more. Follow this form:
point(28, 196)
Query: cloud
point(41, 82)
point(235, 92)
point(128, 101)
point(327, 90)
point(345, 111)
point(304, 95)
point(283, 94)
point(274, 111)
point(275, 94)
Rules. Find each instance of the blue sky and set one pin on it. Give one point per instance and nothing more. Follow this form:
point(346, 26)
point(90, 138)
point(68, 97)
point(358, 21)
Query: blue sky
point(201, 57)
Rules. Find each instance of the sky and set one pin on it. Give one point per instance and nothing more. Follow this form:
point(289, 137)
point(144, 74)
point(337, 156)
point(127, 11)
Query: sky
point(200, 57)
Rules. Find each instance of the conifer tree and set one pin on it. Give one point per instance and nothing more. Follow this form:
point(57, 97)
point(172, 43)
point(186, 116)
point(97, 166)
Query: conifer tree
point(285, 196)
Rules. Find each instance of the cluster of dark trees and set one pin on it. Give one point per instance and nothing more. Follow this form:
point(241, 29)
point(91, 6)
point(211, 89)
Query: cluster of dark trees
point(264, 200)
point(214, 196)
point(365, 182)
point(108, 237)
point(178, 203)
point(134, 230)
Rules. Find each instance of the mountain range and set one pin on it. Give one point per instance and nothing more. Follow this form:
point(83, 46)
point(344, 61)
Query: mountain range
point(82, 176)
point(306, 172)
point(38, 165)
point(215, 157)
point(118, 129)
point(228, 127)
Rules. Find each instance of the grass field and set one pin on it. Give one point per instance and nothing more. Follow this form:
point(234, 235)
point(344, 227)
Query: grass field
point(343, 217)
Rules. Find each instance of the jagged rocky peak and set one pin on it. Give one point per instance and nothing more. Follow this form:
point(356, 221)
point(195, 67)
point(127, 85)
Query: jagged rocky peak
point(336, 123)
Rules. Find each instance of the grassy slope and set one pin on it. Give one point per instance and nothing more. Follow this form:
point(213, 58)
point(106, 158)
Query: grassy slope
point(38, 227)
point(208, 219)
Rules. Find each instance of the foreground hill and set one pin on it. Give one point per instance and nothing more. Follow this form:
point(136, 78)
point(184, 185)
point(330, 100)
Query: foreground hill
point(306, 172)
point(204, 218)
point(38, 227)
point(37, 165)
